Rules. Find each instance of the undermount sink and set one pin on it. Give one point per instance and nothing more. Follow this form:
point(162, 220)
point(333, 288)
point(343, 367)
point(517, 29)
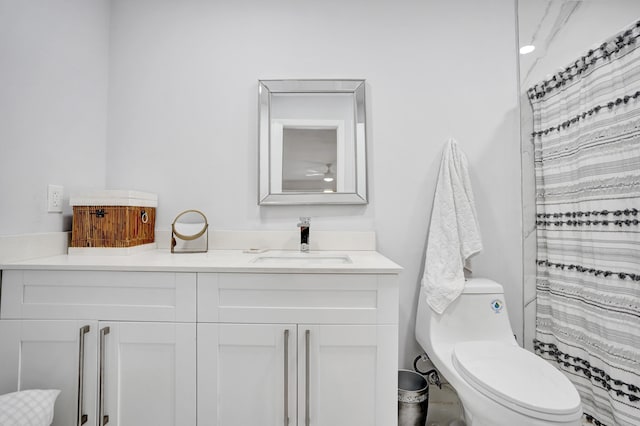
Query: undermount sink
point(303, 259)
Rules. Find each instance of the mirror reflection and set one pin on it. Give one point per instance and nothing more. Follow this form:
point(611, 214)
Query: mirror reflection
point(309, 157)
point(312, 142)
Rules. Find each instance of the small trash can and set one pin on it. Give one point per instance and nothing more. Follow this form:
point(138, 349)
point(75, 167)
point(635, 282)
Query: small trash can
point(413, 398)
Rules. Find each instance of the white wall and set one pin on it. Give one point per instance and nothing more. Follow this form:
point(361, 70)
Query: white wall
point(53, 101)
point(183, 115)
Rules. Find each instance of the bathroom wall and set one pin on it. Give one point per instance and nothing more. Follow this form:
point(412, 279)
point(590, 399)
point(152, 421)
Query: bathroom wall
point(161, 95)
point(53, 106)
point(183, 115)
point(559, 41)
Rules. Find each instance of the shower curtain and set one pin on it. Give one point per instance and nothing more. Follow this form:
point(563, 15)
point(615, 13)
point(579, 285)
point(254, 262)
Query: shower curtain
point(587, 163)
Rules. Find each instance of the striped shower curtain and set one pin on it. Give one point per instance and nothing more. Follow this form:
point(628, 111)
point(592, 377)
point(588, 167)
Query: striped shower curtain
point(587, 163)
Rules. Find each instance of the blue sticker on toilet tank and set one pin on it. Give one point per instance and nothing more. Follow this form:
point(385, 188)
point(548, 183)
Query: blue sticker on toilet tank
point(497, 305)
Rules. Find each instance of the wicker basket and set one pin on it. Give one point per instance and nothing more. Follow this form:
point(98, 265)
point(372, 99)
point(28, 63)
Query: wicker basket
point(112, 226)
point(113, 219)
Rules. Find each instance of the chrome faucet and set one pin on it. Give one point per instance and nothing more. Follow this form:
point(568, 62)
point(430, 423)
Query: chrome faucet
point(304, 226)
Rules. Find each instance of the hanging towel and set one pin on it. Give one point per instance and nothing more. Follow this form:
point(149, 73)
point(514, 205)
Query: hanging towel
point(454, 234)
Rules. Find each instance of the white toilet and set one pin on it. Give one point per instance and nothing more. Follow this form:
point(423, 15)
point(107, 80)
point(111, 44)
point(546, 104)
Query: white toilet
point(498, 382)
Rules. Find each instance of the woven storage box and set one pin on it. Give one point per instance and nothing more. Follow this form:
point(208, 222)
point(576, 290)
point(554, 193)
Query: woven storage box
point(113, 219)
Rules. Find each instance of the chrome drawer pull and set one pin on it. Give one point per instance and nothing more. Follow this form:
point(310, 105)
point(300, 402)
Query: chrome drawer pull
point(81, 417)
point(103, 419)
point(286, 378)
point(307, 420)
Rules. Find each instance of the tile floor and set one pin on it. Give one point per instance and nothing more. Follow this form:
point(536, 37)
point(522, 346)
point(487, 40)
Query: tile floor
point(444, 406)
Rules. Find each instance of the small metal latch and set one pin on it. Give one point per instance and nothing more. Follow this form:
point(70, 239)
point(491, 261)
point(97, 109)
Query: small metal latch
point(434, 378)
point(100, 213)
point(432, 375)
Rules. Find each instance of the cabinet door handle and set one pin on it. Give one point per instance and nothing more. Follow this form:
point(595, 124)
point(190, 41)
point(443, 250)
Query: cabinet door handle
point(81, 417)
point(286, 377)
point(103, 419)
point(307, 337)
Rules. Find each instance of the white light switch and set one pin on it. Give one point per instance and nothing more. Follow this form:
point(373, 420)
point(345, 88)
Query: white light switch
point(55, 194)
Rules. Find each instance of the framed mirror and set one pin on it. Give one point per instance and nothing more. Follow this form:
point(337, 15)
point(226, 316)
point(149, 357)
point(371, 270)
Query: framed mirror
point(312, 142)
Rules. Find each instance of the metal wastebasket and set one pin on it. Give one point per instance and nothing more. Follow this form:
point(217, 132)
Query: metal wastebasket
point(413, 398)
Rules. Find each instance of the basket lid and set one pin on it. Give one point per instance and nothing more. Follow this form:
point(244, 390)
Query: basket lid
point(114, 197)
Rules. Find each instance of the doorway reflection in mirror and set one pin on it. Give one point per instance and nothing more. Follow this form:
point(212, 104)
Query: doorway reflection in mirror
point(309, 159)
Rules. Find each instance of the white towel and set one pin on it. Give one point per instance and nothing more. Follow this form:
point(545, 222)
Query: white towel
point(454, 234)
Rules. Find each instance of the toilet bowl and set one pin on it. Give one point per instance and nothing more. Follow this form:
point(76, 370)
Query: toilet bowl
point(498, 382)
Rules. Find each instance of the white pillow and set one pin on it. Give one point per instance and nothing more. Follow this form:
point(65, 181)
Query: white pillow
point(28, 408)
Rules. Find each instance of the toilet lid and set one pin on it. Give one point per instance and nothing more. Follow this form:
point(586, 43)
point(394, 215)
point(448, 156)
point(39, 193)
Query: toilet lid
point(507, 372)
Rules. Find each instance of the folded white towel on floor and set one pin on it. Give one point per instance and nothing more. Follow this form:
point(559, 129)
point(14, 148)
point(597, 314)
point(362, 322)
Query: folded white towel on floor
point(454, 234)
point(32, 407)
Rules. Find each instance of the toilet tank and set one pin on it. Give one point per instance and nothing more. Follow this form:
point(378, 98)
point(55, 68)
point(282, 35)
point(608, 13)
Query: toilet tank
point(480, 313)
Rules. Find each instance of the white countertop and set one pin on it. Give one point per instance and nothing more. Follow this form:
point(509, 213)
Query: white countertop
point(219, 261)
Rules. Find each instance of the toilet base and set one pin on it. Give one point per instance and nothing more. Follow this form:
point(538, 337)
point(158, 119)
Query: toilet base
point(480, 410)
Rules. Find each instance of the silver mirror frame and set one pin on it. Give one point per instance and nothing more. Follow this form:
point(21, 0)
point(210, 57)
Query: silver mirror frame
point(265, 90)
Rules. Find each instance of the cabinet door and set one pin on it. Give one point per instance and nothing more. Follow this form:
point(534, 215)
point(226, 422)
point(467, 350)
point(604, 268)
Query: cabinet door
point(347, 375)
point(52, 355)
point(149, 373)
point(246, 374)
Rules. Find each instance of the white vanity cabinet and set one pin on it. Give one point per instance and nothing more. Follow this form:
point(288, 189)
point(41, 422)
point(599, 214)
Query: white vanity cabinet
point(46, 354)
point(211, 339)
point(246, 374)
point(119, 345)
point(316, 349)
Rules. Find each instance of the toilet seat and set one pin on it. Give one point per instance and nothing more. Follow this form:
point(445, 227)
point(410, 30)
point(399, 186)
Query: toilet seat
point(515, 377)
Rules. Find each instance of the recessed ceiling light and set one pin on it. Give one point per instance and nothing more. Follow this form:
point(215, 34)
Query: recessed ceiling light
point(527, 49)
point(327, 178)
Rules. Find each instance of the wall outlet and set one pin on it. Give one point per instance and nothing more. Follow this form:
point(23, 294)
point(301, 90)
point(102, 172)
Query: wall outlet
point(55, 194)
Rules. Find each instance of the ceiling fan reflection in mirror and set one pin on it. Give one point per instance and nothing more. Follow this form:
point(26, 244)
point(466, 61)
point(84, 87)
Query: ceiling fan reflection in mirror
point(327, 172)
